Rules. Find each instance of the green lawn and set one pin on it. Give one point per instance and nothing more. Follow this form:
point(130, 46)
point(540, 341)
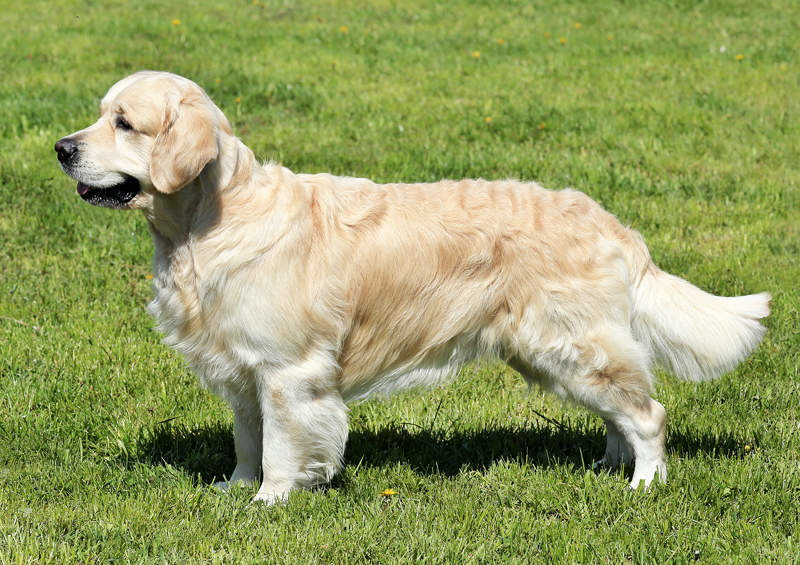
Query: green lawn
point(683, 118)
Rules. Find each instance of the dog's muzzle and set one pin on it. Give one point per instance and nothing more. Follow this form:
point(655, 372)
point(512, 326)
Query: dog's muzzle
point(115, 196)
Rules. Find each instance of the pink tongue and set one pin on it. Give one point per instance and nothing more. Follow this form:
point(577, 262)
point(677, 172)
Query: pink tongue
point(82, 188)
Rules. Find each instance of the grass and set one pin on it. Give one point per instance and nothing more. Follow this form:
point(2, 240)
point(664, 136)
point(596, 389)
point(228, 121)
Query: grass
point(108, 446)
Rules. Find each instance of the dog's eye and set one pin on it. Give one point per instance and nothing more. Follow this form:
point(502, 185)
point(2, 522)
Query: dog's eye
point(123, 124)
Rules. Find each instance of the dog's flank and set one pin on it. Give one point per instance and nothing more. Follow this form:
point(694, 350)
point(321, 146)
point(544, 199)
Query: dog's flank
point(291, 294)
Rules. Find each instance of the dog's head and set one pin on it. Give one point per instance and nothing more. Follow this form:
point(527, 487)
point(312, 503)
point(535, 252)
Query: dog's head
point(156, 133)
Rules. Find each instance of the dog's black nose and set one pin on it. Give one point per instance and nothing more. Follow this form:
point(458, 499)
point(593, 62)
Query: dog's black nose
point(65, 148)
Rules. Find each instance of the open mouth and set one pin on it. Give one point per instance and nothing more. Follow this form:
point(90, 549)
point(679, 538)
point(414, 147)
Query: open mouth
point(117, 196)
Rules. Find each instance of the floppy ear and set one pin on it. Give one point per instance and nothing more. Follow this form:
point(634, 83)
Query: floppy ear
point(186, 143)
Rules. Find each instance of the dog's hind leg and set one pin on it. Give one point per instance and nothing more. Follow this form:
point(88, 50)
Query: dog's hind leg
point(618, 452)
point(304, 428)
point(614, 381)
point(643, 427)
point(606, 370)
point(638, 434)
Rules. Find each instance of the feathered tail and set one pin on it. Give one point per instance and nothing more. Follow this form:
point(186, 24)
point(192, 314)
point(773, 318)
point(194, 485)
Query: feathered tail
point(697, 335)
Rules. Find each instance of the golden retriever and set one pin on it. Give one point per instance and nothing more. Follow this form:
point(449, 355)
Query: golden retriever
point(292, 294)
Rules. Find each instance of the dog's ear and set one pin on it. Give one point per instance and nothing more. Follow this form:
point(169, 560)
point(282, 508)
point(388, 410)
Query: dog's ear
point(186, 143)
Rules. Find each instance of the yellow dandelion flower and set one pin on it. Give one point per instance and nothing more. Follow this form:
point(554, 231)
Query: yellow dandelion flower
point(488, 119)
point(542, 125)
point(739, 57)
point(501, 41)
point(238, 99)
point(747, 448)
point(218, 80)
point(388, 492)
point(547, 34)
point(476, 54)
point(563, 40)
point(784, 67)
point(176, 22)
point(149, 277)
point(344, 29)
point(577, 25)
point(609, 37)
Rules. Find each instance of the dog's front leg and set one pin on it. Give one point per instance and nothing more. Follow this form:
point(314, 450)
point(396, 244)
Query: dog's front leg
point(246, 434)
point(304, 429)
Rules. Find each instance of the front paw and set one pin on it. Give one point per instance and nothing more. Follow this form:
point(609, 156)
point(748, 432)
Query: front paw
point(235, 481)
point(271, 498)
point(271, 493)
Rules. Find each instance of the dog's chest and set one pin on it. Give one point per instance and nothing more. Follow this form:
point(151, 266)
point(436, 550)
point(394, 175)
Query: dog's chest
point(225, 320)
point(177, 306)
point(189, 329)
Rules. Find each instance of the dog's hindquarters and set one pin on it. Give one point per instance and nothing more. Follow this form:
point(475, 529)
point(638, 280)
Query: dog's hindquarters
point(623, 315)
point(576, 340)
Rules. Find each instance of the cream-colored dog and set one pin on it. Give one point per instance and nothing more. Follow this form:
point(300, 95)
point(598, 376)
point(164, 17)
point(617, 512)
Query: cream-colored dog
point(292, 294)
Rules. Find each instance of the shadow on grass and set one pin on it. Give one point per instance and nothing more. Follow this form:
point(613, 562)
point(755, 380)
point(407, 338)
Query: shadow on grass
point(207, 451)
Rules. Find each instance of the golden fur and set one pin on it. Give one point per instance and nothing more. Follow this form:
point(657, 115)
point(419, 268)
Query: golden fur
point(290, 294)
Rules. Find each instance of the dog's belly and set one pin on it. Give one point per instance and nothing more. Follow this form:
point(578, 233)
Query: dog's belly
point(419, 370)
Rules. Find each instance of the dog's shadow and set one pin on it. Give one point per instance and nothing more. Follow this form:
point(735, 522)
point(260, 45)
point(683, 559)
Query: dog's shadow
point(206, 452)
